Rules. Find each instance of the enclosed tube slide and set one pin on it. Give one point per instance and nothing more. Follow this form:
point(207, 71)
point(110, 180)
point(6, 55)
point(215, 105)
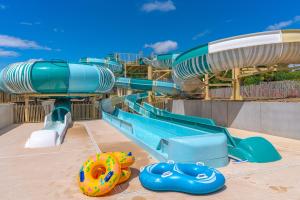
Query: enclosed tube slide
point(258, 49)
point(50, 77)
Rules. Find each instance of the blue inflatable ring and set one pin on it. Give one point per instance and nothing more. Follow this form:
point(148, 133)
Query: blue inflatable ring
point(181, 177)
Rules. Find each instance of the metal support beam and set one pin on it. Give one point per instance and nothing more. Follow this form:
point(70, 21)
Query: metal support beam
point(125, 70)
point(119, 92)
point(150, 77)
point(206, 82)
point(220, 85)
point(236, 86)
point(163, 75)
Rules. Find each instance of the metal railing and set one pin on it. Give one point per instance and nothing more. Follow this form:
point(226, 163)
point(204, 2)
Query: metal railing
point(129, 58)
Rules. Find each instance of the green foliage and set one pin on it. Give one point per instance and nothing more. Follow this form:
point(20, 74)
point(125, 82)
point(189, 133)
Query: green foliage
point(252, 80)
point(227, 75)
point(271, 76)
point(287, 76)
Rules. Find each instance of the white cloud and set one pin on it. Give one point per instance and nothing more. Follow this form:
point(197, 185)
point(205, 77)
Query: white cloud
point(30, 23)
point(56, 30)
point(163, 47)
point(3, 7)
point(26, 23)
point(280, 25)
point(163, 6)
point(14, 42)
point(283, 24)
point(5, 53)
point(201, 34)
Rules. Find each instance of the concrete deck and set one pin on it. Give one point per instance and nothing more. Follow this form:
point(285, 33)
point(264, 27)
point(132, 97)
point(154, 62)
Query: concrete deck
point(50, 173)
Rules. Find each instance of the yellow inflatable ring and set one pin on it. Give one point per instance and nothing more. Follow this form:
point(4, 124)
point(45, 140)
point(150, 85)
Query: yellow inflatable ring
point(99, 174)
point(125, 175)
point(125, 159)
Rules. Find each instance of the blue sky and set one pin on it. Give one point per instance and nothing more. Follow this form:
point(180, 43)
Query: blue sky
point(57, 29)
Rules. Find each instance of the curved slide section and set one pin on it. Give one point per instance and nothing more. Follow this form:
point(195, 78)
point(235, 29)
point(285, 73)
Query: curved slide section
point(51, 77)
point(258, 49)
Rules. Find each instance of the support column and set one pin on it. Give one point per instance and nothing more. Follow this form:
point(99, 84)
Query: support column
point(93, 101)
point(119, 92)
point(236, 85)
point(26, 100)
point(206, 82)
point(125, 70)
point(150, 77)
point(125, 91)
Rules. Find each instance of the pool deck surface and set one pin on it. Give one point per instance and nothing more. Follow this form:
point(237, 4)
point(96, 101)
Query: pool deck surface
point(50, 173)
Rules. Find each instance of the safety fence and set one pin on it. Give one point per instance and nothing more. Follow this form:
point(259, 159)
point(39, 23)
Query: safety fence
point(37, 113)
point(265, 90)
point(85, 111)
point(129, 58)
point(7, 98)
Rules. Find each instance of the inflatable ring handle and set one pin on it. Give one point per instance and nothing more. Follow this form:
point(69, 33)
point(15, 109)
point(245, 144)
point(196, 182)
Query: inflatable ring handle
point(166, 174)
point(200, 163)
point(201, 176)
point(171, 162)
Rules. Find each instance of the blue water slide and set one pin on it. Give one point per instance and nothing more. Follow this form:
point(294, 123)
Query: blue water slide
point(169, 141)
point(148, 85)
point(166, 140)
point(251, 149)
